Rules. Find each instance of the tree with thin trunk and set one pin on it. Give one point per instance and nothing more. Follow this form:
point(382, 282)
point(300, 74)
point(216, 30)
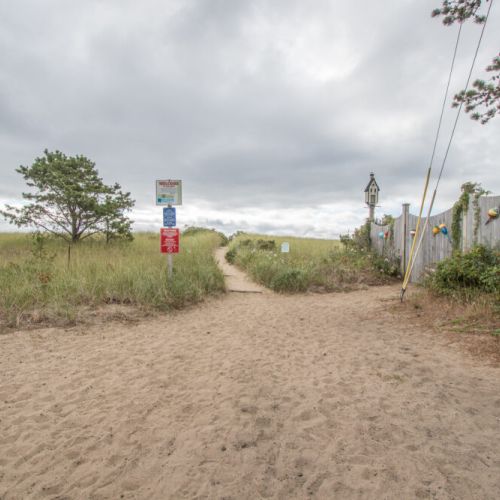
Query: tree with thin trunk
point(484, 99)
point(70, 200)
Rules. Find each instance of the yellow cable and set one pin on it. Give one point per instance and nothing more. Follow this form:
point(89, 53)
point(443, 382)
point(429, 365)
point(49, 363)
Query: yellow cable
point(410, 258)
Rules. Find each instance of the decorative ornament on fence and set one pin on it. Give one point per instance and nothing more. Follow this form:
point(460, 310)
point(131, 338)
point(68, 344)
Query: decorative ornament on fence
point(381, 235)
point(386, 235)
point(413, 233)
point(440, 229)
point(493, 214)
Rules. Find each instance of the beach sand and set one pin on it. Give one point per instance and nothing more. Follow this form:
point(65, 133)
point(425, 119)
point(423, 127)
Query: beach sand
point(253, 395)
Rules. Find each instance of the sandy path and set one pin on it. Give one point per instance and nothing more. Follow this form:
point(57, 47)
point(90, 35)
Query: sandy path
point(250, 396)
point(236, 280)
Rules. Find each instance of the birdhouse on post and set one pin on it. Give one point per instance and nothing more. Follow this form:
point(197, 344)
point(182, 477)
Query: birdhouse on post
point(371, 196)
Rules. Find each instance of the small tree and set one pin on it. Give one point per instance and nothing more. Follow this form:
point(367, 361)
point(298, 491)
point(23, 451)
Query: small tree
point(70, 200)
point(485, 94)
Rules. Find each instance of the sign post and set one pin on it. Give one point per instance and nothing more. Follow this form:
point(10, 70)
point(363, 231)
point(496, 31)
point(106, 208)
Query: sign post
point(169, 192)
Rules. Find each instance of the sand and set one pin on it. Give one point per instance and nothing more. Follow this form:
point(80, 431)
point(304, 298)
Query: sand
point(253, 395)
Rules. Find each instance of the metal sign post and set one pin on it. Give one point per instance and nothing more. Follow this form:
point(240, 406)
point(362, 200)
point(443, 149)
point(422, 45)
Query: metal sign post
point(169, 192)
point(170, 264)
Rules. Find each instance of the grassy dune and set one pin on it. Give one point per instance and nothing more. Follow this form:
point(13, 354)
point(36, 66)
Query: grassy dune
point(312, 264)
point(36, 283)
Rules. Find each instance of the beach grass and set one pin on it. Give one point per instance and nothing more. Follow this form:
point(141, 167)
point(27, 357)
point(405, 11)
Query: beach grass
point(37, 284)
point(310, 265)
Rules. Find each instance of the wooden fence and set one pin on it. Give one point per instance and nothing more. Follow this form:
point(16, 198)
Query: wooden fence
point(395, 241)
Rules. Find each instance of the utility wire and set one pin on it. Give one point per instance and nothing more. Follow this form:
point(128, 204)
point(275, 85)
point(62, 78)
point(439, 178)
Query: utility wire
point(410, 267)
point(422, 204)
point(445, 95)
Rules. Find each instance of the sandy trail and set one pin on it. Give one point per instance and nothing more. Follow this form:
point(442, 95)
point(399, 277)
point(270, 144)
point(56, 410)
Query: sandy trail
point(236, 280)
point(249, 396)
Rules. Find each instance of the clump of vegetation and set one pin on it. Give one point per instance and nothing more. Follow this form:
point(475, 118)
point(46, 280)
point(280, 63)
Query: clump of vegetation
point(466, 275)
point(37, 285)
point(461, 207)
point(311, 264)
point(194, 230)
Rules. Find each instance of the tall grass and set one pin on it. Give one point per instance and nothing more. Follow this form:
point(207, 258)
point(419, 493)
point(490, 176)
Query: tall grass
point(36, 282)
point(311, 264)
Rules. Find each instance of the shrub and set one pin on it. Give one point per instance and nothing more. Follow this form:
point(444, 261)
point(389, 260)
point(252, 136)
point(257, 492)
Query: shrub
point(231, 255)
point(290, 280)
point(465, 275)
point(360, 240)
point(266, 245)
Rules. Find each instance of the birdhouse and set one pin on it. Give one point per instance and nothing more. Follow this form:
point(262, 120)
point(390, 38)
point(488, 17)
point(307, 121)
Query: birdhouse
point(371, 191)
point(371, 196)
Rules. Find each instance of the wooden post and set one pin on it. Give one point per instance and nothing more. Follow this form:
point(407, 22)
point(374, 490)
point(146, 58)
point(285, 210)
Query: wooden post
point(465, 229)
point(405, 233)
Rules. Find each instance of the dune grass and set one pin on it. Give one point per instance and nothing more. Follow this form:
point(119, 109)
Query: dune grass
point(37, 284)
point(311, 264)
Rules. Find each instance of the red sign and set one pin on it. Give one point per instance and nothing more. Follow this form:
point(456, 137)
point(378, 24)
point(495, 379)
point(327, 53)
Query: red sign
point(169, 240)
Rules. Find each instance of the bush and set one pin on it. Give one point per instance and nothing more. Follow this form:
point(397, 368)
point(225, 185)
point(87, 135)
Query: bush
point(465, 275)
point(360, 240)
point(290, 280)
point(266, 245)
point(231, 255)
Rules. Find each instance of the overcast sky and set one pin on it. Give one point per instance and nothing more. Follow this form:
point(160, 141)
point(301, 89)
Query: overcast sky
point(273, 113)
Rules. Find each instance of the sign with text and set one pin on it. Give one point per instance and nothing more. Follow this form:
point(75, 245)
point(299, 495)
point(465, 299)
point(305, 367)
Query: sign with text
point(169, 218)
point(169, 240)
point(169, 192)
point(285, 247)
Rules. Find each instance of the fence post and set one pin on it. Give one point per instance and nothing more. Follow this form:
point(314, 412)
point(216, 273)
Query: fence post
point(466, 228)
point(404, 236)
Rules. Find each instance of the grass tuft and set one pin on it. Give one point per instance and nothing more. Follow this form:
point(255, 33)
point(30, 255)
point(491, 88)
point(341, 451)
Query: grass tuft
point(38, 286)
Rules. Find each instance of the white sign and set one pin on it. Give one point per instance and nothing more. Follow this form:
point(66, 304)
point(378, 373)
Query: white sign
point(169, 192)
point(285, 247)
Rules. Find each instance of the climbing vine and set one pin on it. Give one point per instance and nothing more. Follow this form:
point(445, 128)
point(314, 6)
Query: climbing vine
point(460, 209)
point(477, 210)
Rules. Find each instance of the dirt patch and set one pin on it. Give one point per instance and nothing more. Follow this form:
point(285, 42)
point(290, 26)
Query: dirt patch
point(473, 327)
point(248, 396)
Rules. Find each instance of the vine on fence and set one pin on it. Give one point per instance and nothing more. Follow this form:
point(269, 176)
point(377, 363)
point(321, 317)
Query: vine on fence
point(460, 209)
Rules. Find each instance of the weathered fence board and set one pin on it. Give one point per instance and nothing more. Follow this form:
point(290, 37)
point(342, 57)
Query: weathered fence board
point(438, 247)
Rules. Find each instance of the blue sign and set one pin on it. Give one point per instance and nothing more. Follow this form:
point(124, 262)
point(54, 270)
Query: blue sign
point(169, 219)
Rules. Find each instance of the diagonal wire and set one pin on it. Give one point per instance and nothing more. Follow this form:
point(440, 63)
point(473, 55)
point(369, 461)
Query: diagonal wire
point(422, 204)
point(410, 267)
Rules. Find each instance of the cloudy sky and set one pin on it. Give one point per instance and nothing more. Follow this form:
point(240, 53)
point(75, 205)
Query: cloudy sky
point(273, 113)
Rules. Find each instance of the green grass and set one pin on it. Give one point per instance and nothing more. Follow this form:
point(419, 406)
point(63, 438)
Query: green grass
point(312, 264)
point(36, 283)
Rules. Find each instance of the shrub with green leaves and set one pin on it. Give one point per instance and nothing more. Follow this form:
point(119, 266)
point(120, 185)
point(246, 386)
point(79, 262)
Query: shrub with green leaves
point(464, 275)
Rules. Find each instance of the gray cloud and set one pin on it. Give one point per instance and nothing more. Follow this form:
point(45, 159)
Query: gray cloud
point(270, 105)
